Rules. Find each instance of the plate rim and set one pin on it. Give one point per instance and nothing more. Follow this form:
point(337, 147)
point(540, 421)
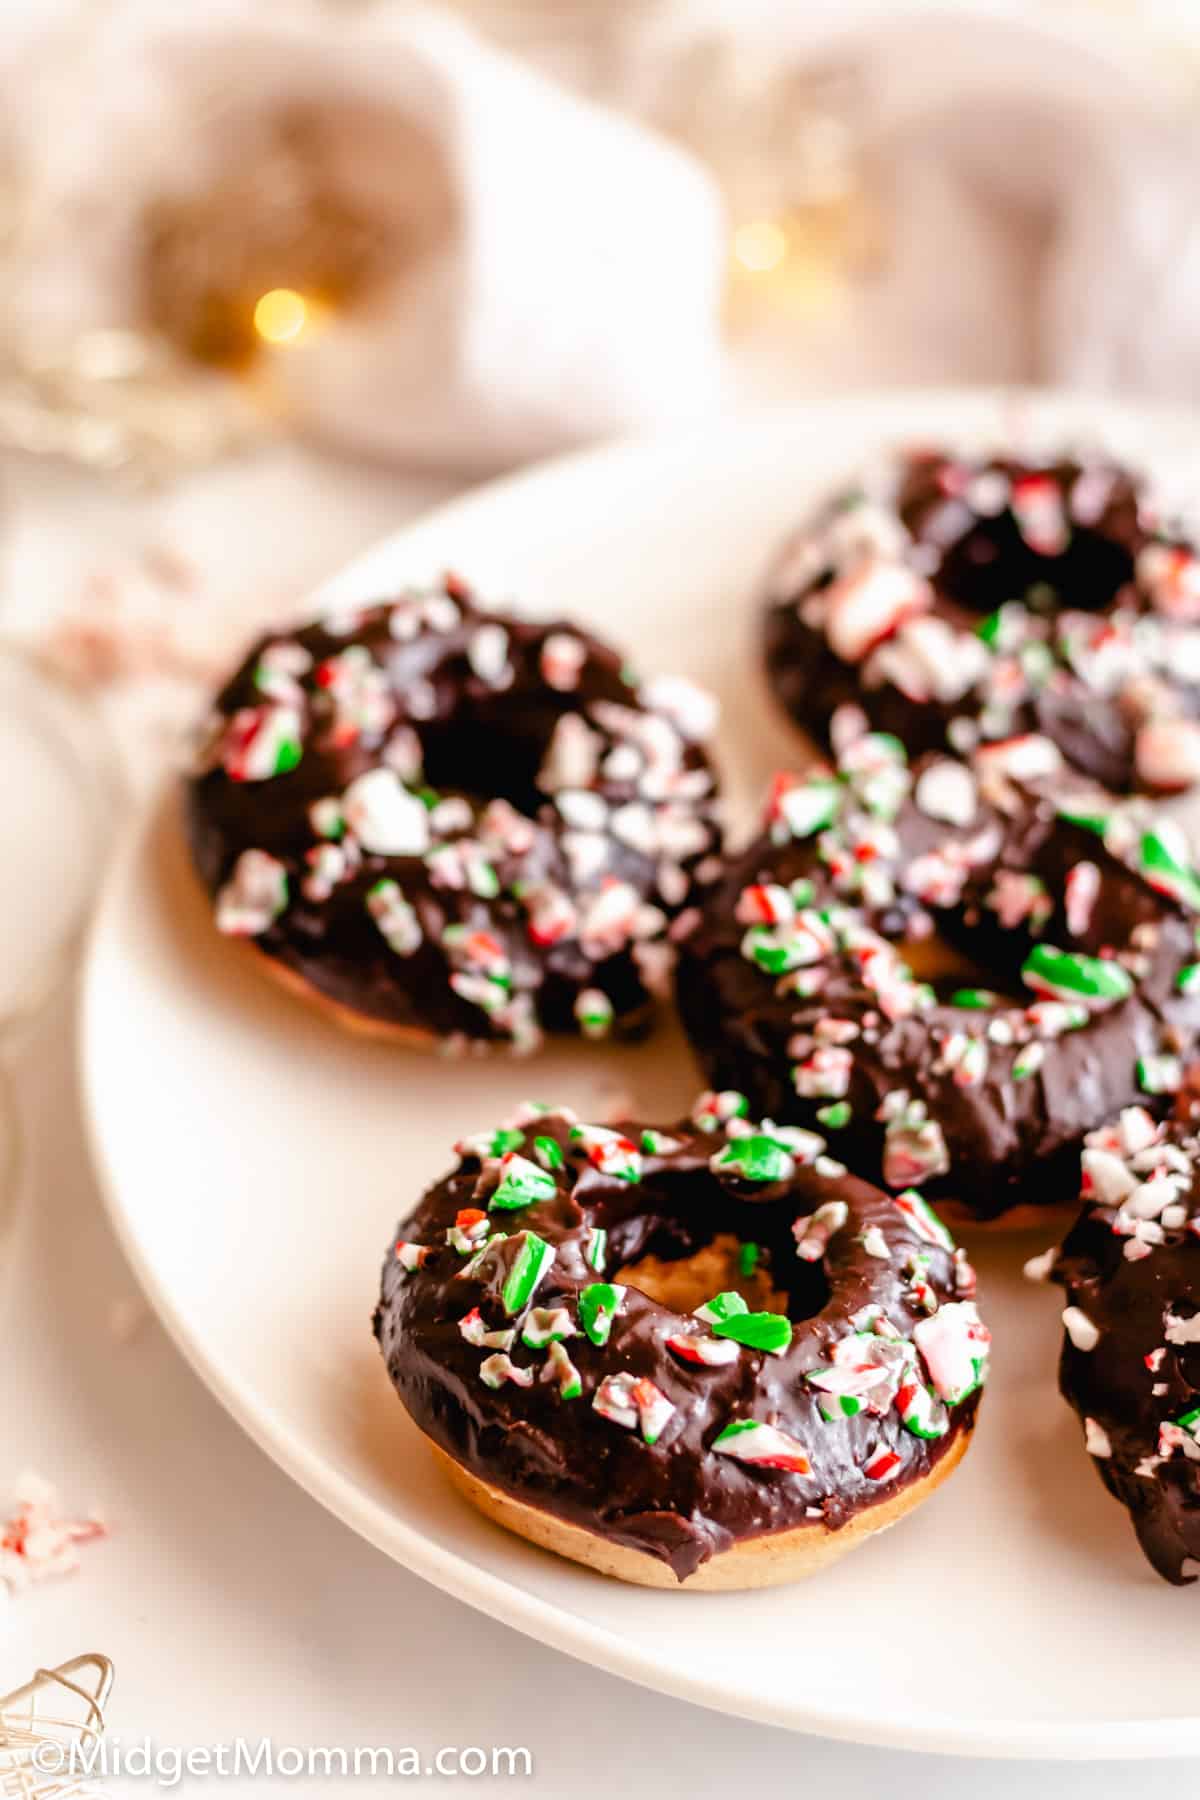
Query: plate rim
point(500, 1597)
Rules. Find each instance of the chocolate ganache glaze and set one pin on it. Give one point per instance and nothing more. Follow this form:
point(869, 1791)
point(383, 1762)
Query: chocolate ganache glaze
point(514, 1347)
point(1131, 1352)
point(794, 986)
point(962, 600)
point(455, 822)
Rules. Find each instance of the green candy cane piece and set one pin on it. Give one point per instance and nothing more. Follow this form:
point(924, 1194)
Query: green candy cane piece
point(1160, 1074)
point(989, 629)
point(1069, 976)
point(530, 1264)
point(1188, 979)
point(522, 1184)
point(1163, 862)
point(755, 1158)
point(922, 1413)
point(773, 957)
point(836, 1115)
point(767, 1331)
point(974, 999)
point(561, 1369)
point(548, 1152)
point(811, 807)
point(721, 1308)
point(599, 1305)
point(1096, 823)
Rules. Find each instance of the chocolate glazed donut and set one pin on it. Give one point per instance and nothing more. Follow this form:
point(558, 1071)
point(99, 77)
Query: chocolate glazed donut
point(722, 1446)
point(794, 986)
point(1131, 1353)
point(444, 822)
point(964, 601)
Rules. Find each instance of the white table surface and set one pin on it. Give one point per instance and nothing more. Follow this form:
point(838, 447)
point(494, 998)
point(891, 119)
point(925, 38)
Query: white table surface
point(229, 1601)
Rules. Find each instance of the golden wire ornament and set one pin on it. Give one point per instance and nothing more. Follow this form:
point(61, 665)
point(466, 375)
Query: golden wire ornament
point(61, 1707)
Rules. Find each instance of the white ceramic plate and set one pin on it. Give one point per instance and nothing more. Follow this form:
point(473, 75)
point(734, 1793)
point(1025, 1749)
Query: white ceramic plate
point(256, 1162)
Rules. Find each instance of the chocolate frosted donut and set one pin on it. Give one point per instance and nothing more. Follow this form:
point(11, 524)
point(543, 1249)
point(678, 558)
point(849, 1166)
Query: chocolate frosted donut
point(714, 1442)
point(1131, 1354)
point(795, 986)
point(963, 601)
point(447, 822)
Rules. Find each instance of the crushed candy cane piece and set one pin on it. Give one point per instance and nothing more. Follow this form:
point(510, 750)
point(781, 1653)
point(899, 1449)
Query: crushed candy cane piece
point(954, 1344)
point(385, 817)
point(37, 1543)
point(495, 1370)
point(546, 1325)
point(561, 1369)
point(812, 1233)
point(762, 1447)
point(522, 1183)
point(708, 1352)
point(634, 1402)
point(253, 897)
point(600, 1303)
point(474, 1330)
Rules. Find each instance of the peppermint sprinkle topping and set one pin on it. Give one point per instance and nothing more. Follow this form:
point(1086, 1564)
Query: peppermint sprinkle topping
point(754, 1158)
point(1096, 1440)
point(708, 1352)
point(633, 1402)
point(546, 1325)
point(1063, 975)
point(923, 1220)
point(253, 897)
point(521, 1184)
point(495, 1370)
point(599, 1305)
point(954, 1344)
point(384, 816)
point(532, 1261)
point(812, 1234)
point(473, 1329)
point(762, 1447)
point(561, 1369)
point(1080, 1329)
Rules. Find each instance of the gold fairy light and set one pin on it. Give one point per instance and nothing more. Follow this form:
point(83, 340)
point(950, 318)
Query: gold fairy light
point(760, 246)
point(283, 316)
point(264, 254)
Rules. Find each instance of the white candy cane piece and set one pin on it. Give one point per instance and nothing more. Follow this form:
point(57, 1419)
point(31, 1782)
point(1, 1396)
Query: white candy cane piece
point(253, 897)
point(947, 791)
point(495, 1370)
point(954, 1344)
point(1167, 754)
point(762, 1447)
point(869, 603)
point(633, 1402)
point(708, 1352)
point(1079, 1328)
point(384, 817)
point(812, 1234)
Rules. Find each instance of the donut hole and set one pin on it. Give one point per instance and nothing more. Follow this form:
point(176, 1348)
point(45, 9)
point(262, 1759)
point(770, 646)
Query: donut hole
point(685, 1282)
point(950, 972)
point(933, 959)
point(495, 752)
point(682, 1261)
point(993, 564)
